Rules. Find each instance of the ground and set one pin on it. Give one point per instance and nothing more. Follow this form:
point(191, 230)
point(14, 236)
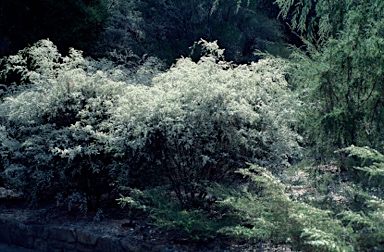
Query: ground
point(114, 223)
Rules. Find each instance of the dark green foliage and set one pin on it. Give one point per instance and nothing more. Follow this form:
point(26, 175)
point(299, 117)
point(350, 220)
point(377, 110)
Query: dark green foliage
point(340, 75)
point(195, 225)
point(174, 141)
point(369, 166)
point(259, 210)
point(74, 23)
point(365, 216)
point(167, 29)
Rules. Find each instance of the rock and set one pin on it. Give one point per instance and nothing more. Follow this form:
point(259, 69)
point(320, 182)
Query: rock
point(5, 232)
point(131, 245)
point(86, 238)
point(108, 244)
point(62, 234)
point(19, 236)
point(38, 231)
point(40, 245)
point(84, 248)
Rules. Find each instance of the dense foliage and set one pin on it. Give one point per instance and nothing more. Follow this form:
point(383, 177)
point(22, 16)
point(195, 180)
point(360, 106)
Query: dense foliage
point(73, 125)
point(75, 23)
point(265, 151)
point(340, 73)
point(199, 122)
point(48, 124)
point(167, 29)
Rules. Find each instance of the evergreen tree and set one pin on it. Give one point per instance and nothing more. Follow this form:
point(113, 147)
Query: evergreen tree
point(341, 71)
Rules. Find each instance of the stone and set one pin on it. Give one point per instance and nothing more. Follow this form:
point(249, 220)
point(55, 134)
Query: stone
point(56, 250)
point(159, 248)
point(55, 244)
point(108, 244)
point(129, 245)
point(40, 245)
point(19, 237)
point(83, 248)
point(62, 234)
point(69, 246)
point(5, 232)
point(86, 238)
point(37, 231)
point(132, 245)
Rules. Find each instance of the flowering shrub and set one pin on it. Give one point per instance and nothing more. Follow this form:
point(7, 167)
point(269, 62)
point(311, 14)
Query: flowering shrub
point(51, 140)
point(73, 128)
point(199, 122)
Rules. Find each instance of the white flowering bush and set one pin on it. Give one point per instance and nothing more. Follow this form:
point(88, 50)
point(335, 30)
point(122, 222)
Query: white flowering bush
point(51, 138)
point(199, 122)
point(74, 129)
point(38, 63)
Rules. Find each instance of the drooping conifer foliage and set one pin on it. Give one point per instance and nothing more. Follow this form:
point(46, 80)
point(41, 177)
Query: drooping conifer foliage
point(342, 71)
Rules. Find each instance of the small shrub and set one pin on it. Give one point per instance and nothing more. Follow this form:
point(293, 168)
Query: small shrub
point(265, 212)
point(166, 212)
point(366, 216)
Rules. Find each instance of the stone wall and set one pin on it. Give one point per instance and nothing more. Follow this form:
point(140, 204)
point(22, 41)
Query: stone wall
point(56, 238)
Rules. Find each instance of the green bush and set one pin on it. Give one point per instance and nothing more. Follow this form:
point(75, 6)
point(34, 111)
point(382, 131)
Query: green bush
point(164, 211)
point(259, 209)
point(366, 215)
point(339, 72)
point(262, 210)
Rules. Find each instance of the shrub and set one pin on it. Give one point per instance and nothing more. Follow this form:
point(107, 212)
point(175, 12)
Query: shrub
point(366, 216)
point(73, 128)
point(199, 122)
point(51, 139)
point(340, 72)
point(258, 210)
point(263, 211)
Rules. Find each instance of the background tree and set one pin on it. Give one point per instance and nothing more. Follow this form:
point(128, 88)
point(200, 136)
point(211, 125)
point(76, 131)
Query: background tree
point(341, 73)
point(73, 23)
point(167, 29)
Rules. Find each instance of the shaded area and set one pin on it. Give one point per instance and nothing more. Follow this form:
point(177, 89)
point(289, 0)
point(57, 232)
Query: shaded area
point(9, 248)
point(74, 23)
